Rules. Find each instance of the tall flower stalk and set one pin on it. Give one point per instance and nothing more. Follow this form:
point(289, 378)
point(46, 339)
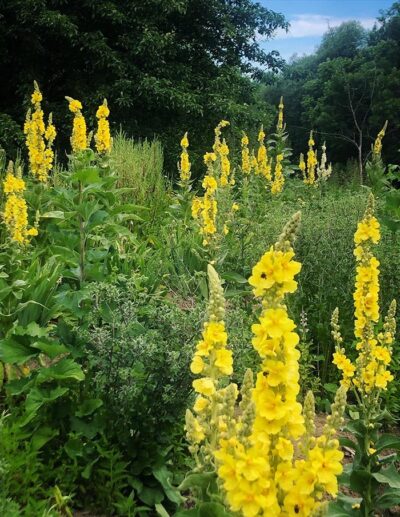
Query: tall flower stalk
point(213, 362)
point(369, 375)
point(79, 139)
point(258, 467)
point(16, 210)
point(184, 165)
point(102, 136)
point(311, 162)
point(39, 138)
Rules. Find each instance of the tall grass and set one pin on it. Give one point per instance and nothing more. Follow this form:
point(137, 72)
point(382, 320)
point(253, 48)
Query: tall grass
point(139, 167)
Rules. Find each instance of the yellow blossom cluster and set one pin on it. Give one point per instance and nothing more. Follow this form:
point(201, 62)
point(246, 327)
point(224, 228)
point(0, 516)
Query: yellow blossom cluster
point(39, 138)
point(280, 115)
point(221, 151)
point(102, 137)
point(205, 209)
point(213, 361)
point(257, 461)
point(246, 162)
point(263, 164)
point(311, 162)
point(79, 140)
point(377, 148)
point(15, 209)
point(370, 371)
point(279, 179)
point(184, 165)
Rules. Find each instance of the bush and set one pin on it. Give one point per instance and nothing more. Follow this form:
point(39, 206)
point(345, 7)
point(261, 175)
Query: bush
point(140, 347)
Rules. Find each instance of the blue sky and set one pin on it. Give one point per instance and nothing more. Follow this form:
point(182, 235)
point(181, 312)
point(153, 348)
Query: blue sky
point(311, 18)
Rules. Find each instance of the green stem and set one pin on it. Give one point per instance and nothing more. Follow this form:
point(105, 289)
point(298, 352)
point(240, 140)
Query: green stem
point(81, 240)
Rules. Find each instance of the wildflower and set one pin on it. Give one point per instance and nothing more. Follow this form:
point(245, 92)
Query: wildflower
point(311, 162)
point(257, 468)
point(263, 165)
point(79, 140)
point(279, 180)
point(39, 138)
point(370, 371)
point(102, 137)
point(377, 148)
point(280, 115)
point(213, 361)
point(15, 209)
point(246, 164)
point(185, 165)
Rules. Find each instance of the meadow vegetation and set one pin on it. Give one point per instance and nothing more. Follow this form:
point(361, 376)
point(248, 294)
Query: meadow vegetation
point(203, 328)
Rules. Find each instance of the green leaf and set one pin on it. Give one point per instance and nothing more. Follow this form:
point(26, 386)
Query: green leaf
point(65, 369)
point(52, 350)
point(206, 482)
point(359, 479)
point(42, 436)
point(387, 441)
point(335, 509)
point(231, 276)
point(18, 386)
point(88, 407)
point(161, 511)
point(36, 398)
point(330, 387)
point(74, 448)
point(212, 509)
point(163, 476)
point(193, 512)
point(33, 330)
point(86, 176)
point(87, 471)
point(54, 214)
point(389, 498)
point(13, 352)
point(151, 496)
point(389, 476)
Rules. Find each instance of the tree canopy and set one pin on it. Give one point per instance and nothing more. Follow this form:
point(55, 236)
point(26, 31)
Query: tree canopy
point(345, 90)
point(164, 65)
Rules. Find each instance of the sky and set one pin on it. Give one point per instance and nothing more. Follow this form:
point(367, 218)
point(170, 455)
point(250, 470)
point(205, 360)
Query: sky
point(311, 18)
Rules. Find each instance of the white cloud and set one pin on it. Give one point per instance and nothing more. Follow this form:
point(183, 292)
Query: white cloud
point(311, 25)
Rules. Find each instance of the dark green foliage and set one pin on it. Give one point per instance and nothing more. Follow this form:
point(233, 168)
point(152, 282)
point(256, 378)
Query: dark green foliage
point(139, 348)
point(164, 65)
point(345, 90)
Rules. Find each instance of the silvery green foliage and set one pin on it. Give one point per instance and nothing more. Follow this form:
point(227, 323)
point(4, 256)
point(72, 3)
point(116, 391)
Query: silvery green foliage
point(139, 352)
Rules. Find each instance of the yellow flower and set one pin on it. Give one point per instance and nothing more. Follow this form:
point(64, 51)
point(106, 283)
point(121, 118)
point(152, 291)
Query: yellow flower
point(327, 466)
point(224, 361)
point(276, 322)
point(197, 365)
point(74, 105)
point(209, 183)
point(201, 404)
point(204, 386)
point(39, 139)
point(102, 137)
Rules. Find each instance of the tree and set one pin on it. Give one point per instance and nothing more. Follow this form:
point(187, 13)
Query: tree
point(345, 90)
point(165, 65)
